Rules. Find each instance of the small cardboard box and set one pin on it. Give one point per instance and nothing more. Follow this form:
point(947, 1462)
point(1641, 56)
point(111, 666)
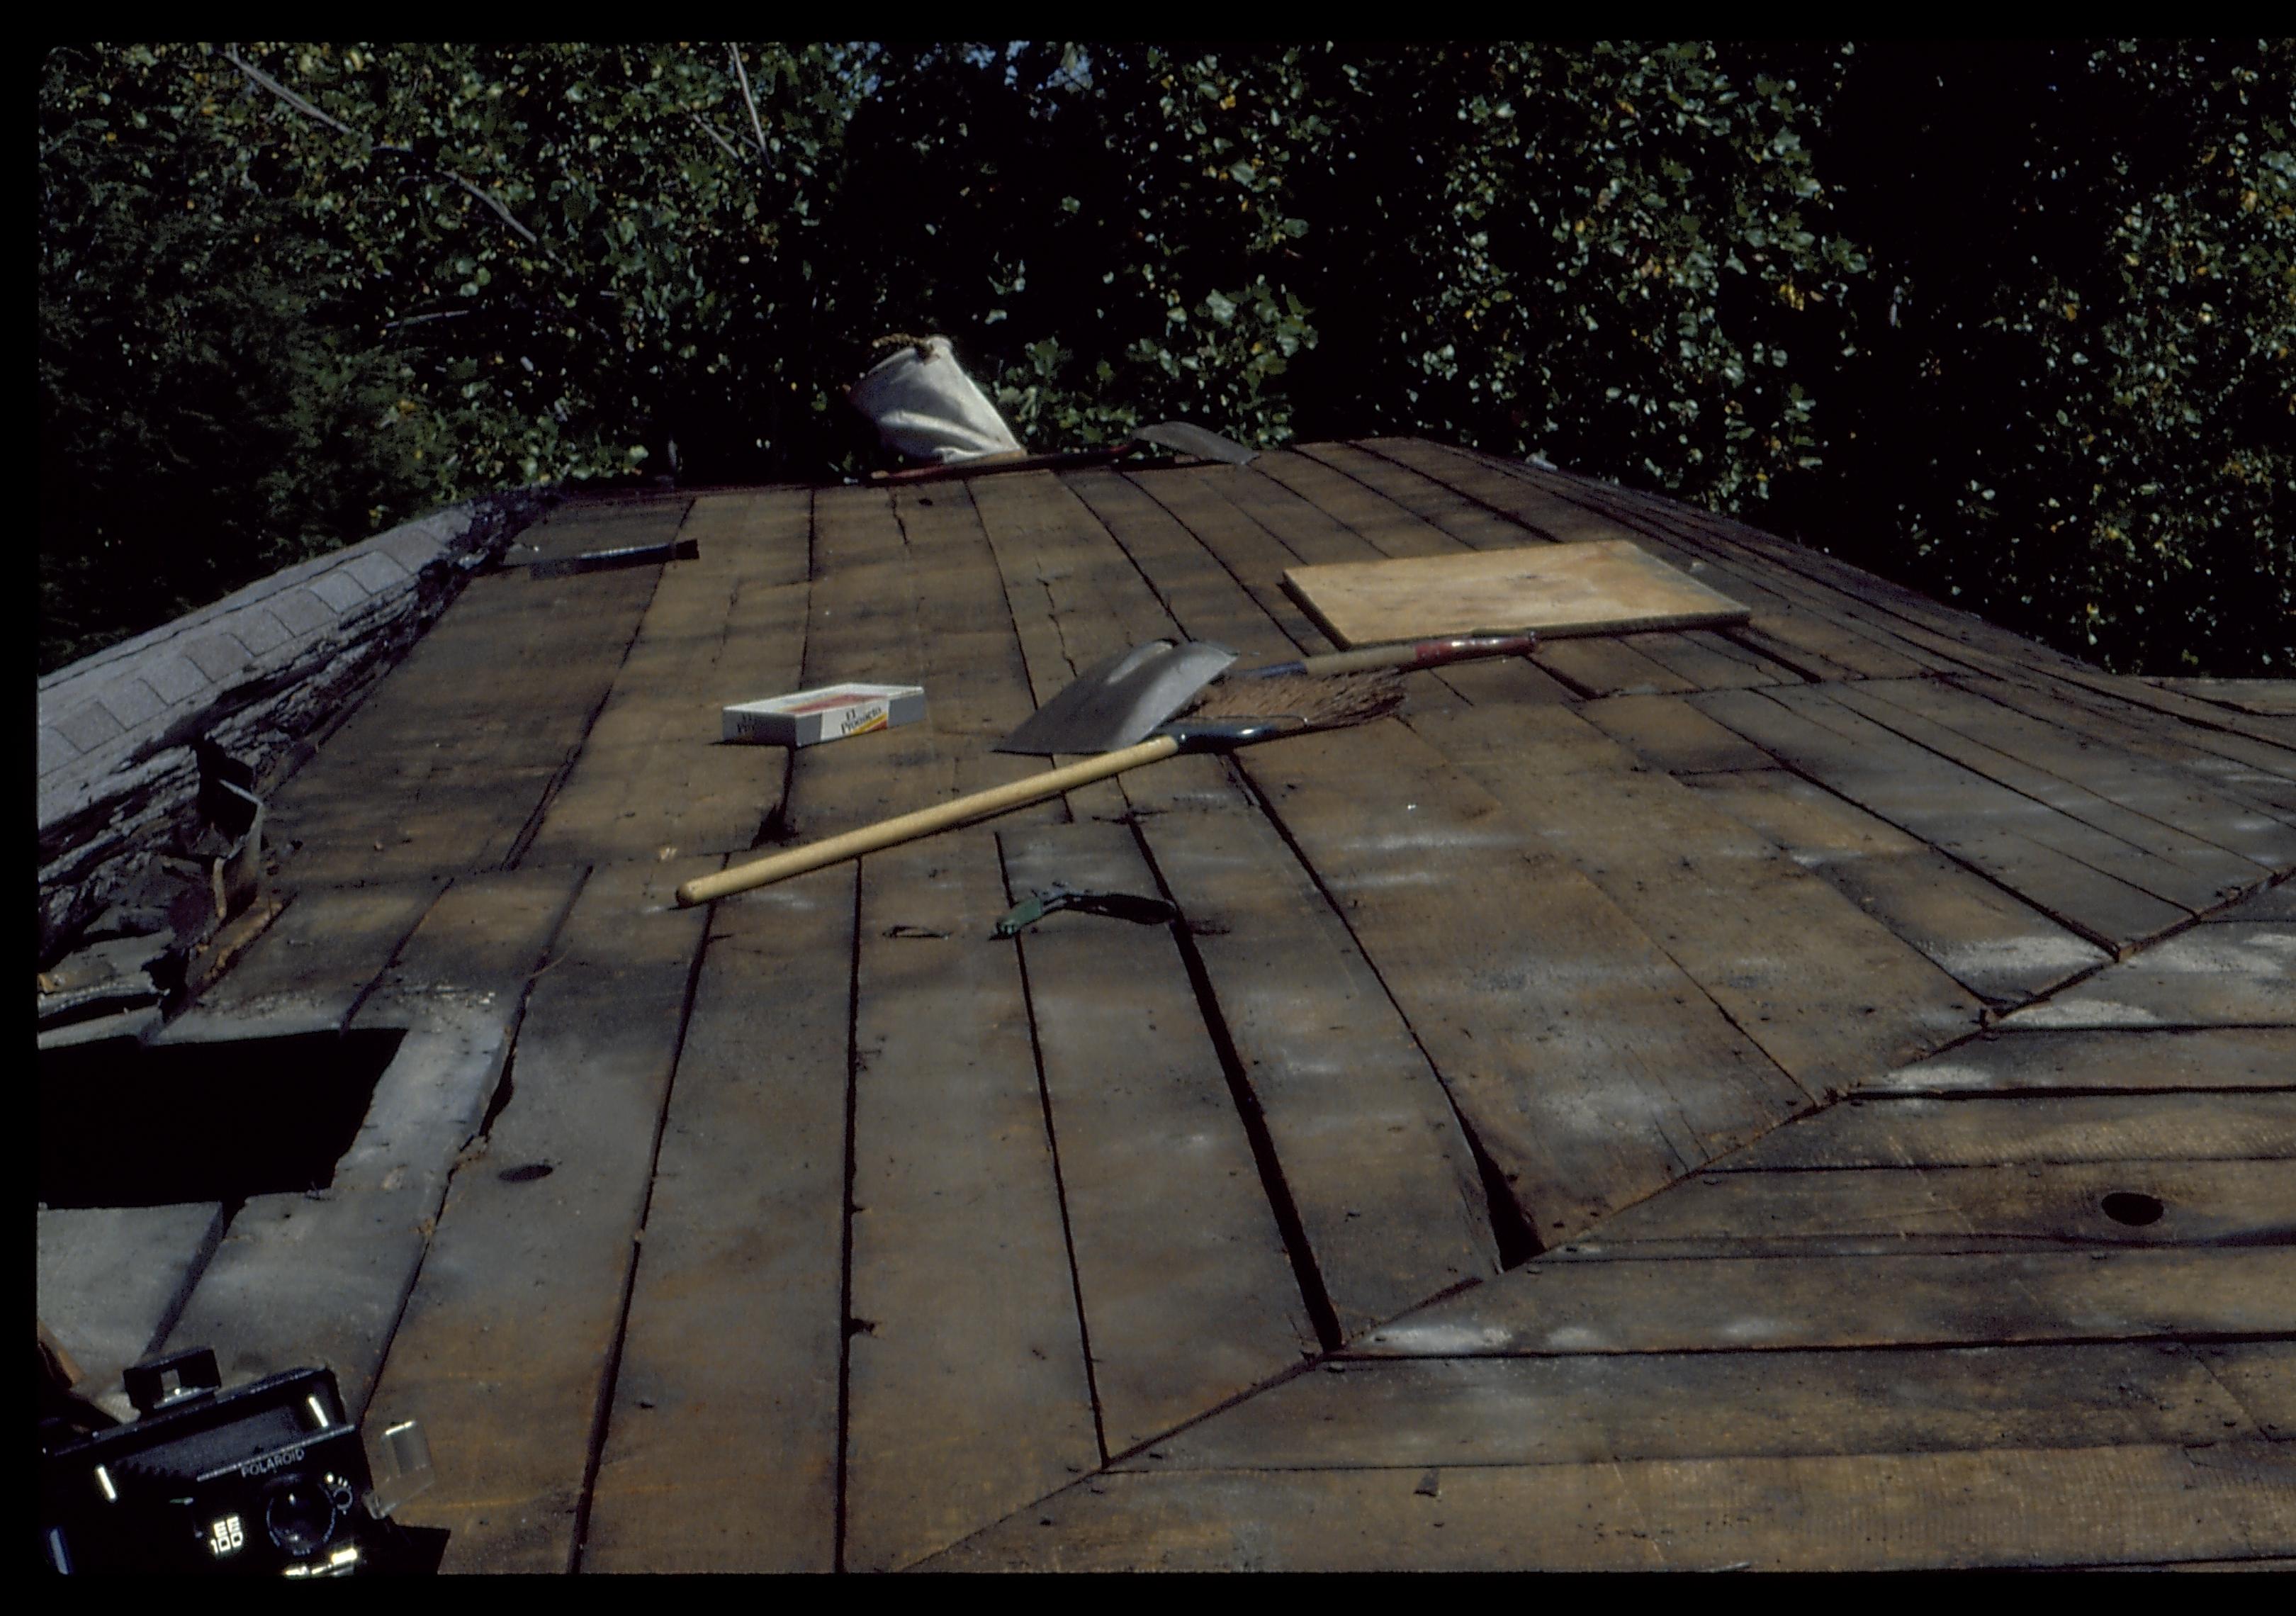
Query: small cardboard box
point(831, 713)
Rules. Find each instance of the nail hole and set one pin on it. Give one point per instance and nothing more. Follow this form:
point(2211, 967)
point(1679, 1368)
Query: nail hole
point(2128, 1207)
point(526, 1174)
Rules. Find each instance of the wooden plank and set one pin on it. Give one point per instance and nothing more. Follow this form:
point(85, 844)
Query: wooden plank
point(1983, 1130)
point(728, 626)
point(1798, 628)
point(449, 764)
point(1251, 560)
point(2262, 1376)
point(510, 1333)
point(1230, 593)
point(2268, 697)
point(2132, 864)
point(2016, 1062)
point(1556, 590)
point(2023, 844)
point(1385, 526)
point(1968, 1297)
point(1475, 526)
point(2000, 1507)
point(1591, 1070)
point(1829, 994)
point(1670, 733)
point(2229, 975)
point(1073, 595)
point(2139, 785)
point(2247, 771)
point(2272, 903)
point(1384, 1184)
point(1584, 1409)
point(1603, 667)
point(311, 967)
point(322, 1278)
point(1189, 1295)
point(1710, 661)
point(966, 1399)
point(721, 1447)
point(1988, 940)
point(2190, 872)
point(2206, 1203)
point(1381, 1179)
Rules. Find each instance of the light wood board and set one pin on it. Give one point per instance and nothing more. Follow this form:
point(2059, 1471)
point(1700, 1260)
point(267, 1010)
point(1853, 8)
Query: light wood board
point(1602, 586)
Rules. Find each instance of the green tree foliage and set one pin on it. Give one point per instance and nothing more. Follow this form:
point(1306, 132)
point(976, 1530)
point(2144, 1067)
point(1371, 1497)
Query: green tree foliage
point(2012, 324)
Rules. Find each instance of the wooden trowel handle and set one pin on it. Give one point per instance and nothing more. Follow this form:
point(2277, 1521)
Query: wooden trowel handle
point(924, 822)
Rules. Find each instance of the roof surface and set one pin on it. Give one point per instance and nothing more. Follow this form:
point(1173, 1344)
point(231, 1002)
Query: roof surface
point(1817, 1093)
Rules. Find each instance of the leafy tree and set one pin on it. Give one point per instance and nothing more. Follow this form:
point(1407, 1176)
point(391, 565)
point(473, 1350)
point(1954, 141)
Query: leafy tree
point(2011, 323)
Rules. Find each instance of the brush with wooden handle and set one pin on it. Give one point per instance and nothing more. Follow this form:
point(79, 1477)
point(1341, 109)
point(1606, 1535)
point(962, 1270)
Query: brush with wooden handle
point(1226, 716)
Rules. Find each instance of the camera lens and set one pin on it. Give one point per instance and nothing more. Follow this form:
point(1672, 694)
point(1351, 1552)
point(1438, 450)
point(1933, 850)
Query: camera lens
point(299, 1515)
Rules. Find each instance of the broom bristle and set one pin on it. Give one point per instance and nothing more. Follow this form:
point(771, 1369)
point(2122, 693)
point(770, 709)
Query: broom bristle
point(1317, 701)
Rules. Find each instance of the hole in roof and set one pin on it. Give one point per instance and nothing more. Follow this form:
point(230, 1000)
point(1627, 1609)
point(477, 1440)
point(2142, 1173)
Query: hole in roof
point(2128, 1207)
point(123, 1124)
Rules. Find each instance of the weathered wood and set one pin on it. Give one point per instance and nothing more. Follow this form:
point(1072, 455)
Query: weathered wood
point(1607, 666)
point(2047, 824)
point(1743, 1303)
point(1984, 1131)
point(1381, 1178)
point(323, 1277)
point(1809, 632)
point(2273, 903)
point(1827, 993)
point(1473, 525)
point(1712, 661)
point(2262, 1376)
point(2010, 1062)
point(1988, 940)
point(449, 764)
point(309, 970)
point(720, 1450)
point(2023, 844)
point(966, 1401)
point(2190, 872)
point(2139, 786)
point(2229, 975)
point(1386, 1188)
point(1999, 1507)
point(1587, 1409)
point(1189, 1295)
point(729, 627)
point(1670, 733)
point(1590, 1067)
point(2269, 697)
point(2248, 771)
point(1156, 520)
point(2229, 1202)
point(513, 1325)
point(1210, 504)
point(1387, 526)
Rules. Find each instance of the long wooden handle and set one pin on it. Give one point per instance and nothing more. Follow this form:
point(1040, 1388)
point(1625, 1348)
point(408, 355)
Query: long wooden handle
point(924, 822)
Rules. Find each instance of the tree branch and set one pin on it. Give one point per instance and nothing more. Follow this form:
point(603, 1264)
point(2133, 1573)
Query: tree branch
point(308, 111)
point(701, 124)
point(742, 74)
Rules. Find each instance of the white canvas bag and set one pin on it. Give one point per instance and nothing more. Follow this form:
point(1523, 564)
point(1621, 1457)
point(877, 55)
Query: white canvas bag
point(924, 404)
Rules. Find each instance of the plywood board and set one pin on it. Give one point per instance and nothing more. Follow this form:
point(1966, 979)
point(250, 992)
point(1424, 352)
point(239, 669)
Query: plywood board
point(1605, 586)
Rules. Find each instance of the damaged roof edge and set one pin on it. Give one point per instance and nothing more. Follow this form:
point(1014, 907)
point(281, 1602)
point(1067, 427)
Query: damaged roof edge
point(254, 673)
